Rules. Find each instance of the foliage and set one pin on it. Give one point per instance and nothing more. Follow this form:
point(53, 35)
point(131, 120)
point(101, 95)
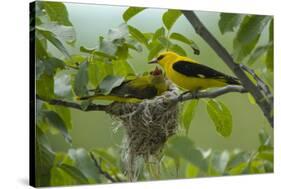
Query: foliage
point(105, 67)
point(247, 48)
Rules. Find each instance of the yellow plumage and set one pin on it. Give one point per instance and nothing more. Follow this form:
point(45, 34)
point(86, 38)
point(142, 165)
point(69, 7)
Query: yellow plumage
point(135, 90)
point(190, 75)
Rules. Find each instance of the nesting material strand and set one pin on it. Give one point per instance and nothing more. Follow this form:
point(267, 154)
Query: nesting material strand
point(147, 125)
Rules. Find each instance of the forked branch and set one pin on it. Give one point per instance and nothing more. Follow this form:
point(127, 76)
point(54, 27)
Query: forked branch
point(265, 103)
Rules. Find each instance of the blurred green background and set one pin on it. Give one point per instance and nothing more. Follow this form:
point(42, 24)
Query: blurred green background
point(96, 129)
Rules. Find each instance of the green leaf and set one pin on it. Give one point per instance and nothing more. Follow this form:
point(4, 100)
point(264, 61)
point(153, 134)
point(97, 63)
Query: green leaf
point(264, 138)
point(106, 46)
point(84, 163)
point(122, 68)
point(221, 117)
point(74, 173)
point(122, 52)
point(237, 159)
point(57, 12)
point(170, 17)
point(183, 39)
point(75, 60)
point(229, 21)
point(156, 47)
point(65, 33)
point(188, 113)
point(51, 65)
point(251, 27)
point(104, 154)
point(118, 33)
point(57, 122)
point(45, 86)
point(259, 51)
point(96, 72)
point(269, 56)
point(44, 158)
point(138, 35)
point(60, 178)
point(241, 51)
point(62, 84)
point(192, 171)
point(133, 44)
point(56, 42)
point(248, 35)
point(183, 147)
point(81, 80)
point(178, 49)
point(64, 114)
point(218, 162)
point(265, 153)
point(109, 83)
point(165, 42)
point(40, 46)
point(241, 168)
point(251, 99)
point(158, 33)
point(131, 12)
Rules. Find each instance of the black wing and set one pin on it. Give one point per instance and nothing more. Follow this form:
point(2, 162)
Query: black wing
point(124, 90)
point(202, 71)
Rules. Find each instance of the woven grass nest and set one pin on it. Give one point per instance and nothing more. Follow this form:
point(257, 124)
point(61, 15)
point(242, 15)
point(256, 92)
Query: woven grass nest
point(148, 125)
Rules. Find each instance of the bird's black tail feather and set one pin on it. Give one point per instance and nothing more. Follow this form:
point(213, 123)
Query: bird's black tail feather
point(232, 81)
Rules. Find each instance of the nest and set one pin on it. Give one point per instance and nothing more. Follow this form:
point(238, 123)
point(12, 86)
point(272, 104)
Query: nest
point(147, 125)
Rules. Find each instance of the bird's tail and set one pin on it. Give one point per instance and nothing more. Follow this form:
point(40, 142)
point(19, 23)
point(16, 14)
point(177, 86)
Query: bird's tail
point(232, 80)
point(95, 97)
point(110, 98)
point(85, 97)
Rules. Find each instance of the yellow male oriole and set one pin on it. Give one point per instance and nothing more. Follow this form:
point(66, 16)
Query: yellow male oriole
point(137, 89)
point(190, 75)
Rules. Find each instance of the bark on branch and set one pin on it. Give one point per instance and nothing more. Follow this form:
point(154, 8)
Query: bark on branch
point(212, 93)
point(265, 104)
point(74, 105)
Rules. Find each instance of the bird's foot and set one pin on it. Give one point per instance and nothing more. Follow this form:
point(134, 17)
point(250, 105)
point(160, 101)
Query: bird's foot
point(194, 94)
point(183, 94)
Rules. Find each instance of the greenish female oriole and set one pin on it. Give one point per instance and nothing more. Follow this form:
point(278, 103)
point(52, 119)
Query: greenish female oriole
point(135, 90)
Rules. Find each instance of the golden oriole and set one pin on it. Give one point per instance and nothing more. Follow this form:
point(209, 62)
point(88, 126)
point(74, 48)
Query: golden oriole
point(190, 75)
point(135, 90)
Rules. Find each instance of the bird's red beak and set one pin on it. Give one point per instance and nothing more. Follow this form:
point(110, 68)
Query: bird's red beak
point(156, 71)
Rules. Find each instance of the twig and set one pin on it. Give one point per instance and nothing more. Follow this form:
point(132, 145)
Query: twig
point(211, 94)
point(260, 83)
point(201, 30)
point(107, 175)
point(91, 107)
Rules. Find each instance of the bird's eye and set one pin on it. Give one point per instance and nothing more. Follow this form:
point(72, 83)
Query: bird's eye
point(160, 57)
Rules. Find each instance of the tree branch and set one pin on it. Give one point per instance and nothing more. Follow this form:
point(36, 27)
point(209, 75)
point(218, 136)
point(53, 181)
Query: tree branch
point(107, 175)
point(91, 107)
point(260, 83)
point(264, 103)
point(180, 98)
point(211, 94)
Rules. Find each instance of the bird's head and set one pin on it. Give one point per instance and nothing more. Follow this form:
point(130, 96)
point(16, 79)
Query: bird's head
point(165, 58)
